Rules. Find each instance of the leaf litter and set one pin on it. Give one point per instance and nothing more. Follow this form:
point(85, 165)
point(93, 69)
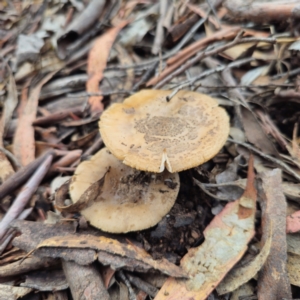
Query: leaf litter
point(64, 64)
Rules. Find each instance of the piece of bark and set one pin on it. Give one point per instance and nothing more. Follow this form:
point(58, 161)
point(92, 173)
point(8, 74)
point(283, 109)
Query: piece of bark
point(273, 282)
point(27, 265)
point(47, 280)
point(34, 233)
point(85, 282)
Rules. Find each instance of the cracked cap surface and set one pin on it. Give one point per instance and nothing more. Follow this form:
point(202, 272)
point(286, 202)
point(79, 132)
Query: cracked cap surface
point(149, 133)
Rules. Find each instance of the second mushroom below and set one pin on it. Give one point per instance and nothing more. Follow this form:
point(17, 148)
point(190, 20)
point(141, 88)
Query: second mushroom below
point(130, 200)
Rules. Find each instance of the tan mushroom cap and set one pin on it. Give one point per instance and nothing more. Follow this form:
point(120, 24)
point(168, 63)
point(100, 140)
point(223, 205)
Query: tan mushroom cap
point(149, 133)
point(131, 200)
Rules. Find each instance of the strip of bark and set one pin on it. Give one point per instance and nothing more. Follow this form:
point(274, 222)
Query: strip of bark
point(273, 282)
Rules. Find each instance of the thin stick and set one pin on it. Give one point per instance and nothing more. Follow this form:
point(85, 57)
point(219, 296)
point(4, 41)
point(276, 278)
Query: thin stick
point(13, 182)
point(278, 162)
point(203, 54)
point(143, 285)
point(132, 295)
point(25, 195)
point(200, 185)
point(209, 72)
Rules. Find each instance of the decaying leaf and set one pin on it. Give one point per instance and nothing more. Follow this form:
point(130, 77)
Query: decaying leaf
point(243, 273)
point(226, 240)
point(97, 64)
point(246, 290)
point(293, 243)
point(9, 106)
point(255, 133)
point(111, 246)
point(230, 174)
point(23, 145)
point(273, 282)
point(13, 292)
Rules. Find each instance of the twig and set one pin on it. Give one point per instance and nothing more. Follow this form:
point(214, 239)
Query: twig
point(142, 285)
point(25, 195)
point(146, 76)
point(289, 73)
point(288, 94)
point(95, 146)
point(204, 54)
point(13, 182)
point(106, 94)
point(278, 162)
point(159, 35)
point(191, 81)
point(261, 12)
point(202, 187)
point(214, 12)
point(58, 116)
point(66, 160)
point(132, 295)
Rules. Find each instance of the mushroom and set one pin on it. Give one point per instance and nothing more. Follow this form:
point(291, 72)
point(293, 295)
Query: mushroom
point(130, 199)
point(150, 133)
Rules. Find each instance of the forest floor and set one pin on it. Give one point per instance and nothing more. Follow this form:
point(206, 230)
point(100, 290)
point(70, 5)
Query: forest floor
point(230, 229)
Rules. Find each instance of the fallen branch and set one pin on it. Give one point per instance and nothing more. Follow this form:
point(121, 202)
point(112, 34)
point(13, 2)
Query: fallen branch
point(260, 12)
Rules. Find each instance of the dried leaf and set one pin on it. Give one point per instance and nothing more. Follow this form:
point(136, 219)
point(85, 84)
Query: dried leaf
point(112, 246)
point(226, 240)
point(255, 133)
point(29, 47)
point(97, 64)
point(9, 106)
point(6, 169)
point(24, 142)
point(273, 282)
point(243, 273)
point(230, 174)
point(84, 22)
point(293, 243)
point(253, 74)
point(143, 22)
point(293, 269)
point(86, 199)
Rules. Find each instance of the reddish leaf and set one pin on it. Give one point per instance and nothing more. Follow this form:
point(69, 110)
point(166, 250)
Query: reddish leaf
point(97, 63)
